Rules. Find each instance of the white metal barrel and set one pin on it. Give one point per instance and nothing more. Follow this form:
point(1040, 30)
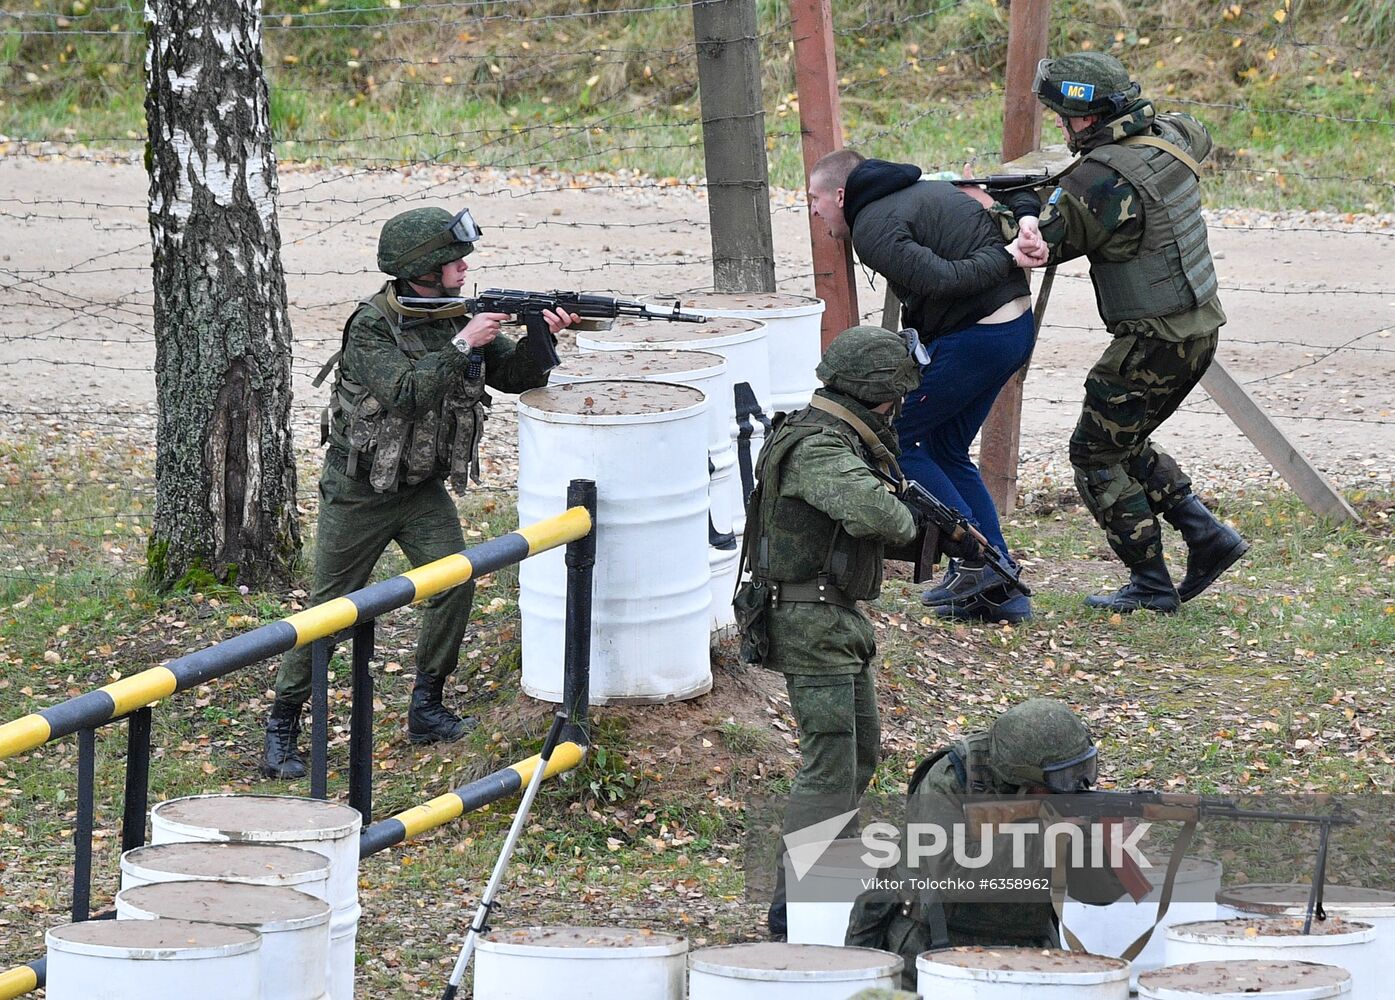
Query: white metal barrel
point(1020, 974)
point(708, 372)
point(770, 970)
point(327, 828)
point(144, 959)
point(1245, 980)
point(1372, 906)
point(645, 445)
point(1108, 930)
point(580, 963)
point(793, 340)
point(819, 904)
point(294, 926)
point(1352, 945)
point(250, 864)
point(742, 343)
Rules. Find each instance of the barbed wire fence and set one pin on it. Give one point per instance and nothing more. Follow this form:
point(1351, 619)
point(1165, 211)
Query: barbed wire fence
point(594, 181)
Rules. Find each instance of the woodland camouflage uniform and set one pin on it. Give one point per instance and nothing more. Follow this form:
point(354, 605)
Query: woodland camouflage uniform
point(1134, 209)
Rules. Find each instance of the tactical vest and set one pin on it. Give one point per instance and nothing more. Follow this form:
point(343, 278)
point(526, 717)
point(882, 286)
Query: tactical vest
point(399, 449)
point(1173, 271)
point(969, 759)
point(797, 543)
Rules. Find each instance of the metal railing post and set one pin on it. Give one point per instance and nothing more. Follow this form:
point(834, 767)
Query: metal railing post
point(137, 796)
point(361, 725)
point(82, 829)
point(319, 717)
point(581, 562)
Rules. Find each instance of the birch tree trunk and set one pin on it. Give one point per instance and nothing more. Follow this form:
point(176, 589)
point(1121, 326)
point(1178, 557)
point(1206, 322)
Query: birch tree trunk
point(225, 468)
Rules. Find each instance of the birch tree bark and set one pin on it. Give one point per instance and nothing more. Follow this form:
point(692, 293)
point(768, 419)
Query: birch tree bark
point(225, 468)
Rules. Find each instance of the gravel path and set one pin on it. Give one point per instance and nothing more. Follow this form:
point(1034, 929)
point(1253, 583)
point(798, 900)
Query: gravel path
point(1310, 301)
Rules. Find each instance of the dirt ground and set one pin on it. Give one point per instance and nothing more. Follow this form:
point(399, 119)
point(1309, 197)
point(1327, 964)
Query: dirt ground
point(1310, 301)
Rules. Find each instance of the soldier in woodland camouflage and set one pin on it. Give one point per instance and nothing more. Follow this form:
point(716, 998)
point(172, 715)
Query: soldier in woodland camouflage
point(406, 413)
point(1132, 205)
point(817, 524)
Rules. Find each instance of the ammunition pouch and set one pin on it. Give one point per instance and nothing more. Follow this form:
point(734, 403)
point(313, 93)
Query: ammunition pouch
point(907, 924)
point(398, 449)
point(751, 608)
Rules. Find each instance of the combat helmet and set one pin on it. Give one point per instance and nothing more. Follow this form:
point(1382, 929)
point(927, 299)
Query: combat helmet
point(1041, 742)
point(870, 364)
point(420, 240)
point(1085, 83)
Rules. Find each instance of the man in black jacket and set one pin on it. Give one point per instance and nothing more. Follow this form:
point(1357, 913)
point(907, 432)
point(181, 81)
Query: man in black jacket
point(961, 287)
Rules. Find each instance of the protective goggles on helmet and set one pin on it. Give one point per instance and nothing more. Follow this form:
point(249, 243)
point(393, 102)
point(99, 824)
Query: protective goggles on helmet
point(914, 347)
point(1079, 96)
point(1074, 775)
point(462, 229)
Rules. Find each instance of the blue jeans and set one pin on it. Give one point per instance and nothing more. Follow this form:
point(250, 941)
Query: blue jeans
point(940, 419)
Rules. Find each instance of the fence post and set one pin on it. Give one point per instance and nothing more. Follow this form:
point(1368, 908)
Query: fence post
point(821, 131)
point(998, 449)
point(576, 662)
point(137, 779)
point(82, 829)
point(319, 713)
point(733, 142)
point(361, 724)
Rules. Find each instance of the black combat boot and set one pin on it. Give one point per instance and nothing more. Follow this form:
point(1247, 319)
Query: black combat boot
point(1149, 588)
point(428, 720)
point(279, 758)
point(777, 915)
point(1212, 547)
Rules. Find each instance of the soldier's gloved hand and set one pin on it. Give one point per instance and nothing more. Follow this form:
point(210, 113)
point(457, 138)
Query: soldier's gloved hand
point(966, 546)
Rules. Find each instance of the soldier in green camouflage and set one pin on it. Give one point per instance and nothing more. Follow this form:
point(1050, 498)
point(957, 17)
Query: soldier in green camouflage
point(406, 413)
point(817, 523)
point(1132, 205)
point(1038, 747)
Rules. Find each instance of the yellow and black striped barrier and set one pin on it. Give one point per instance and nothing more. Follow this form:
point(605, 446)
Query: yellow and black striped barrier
point(122, 697)
point(128, 696)
point(467, 798)
point(21, 979)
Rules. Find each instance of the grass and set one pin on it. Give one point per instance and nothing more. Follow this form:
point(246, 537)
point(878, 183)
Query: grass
point(1296, 103)
point(1276, 682)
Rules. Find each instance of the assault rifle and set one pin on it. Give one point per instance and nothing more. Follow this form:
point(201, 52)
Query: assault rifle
point(951, 524)
point(1160, 806)
point(1004, 182)
point(527, 308)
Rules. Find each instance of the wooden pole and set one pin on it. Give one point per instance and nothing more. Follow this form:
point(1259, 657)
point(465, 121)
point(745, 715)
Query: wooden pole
point(733, 136)
point(821, 132)
point(1310, 484)
point(1027, 33)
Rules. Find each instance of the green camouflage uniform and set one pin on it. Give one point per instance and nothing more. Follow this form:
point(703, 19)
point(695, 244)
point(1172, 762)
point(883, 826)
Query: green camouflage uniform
point(1006, 760)
point(939, 799)
point(826, 651)
point(357, 521)
point(816, 527)
point(1154, 361)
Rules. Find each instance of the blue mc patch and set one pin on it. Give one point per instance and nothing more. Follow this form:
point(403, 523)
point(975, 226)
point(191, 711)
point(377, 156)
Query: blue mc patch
point(1078, 91)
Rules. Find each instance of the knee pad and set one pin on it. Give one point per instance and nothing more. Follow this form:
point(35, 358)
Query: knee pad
point(1100, 488)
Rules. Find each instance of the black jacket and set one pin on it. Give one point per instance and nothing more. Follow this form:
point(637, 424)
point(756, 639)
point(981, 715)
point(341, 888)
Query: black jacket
point(940, 251)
